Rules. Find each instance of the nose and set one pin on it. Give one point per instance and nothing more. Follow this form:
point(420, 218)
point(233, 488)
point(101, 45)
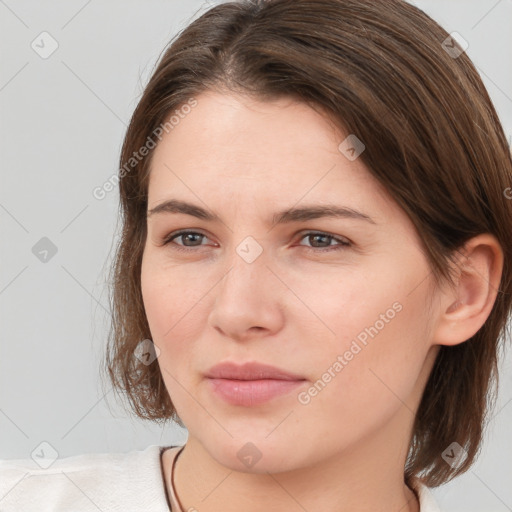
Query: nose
point(248, 300)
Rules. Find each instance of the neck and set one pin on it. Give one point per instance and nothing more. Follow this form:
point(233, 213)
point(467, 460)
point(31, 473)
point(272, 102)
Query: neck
point(366, 476)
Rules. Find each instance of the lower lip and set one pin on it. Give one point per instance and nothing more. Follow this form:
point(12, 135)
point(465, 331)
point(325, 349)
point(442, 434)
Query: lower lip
point(252, 392)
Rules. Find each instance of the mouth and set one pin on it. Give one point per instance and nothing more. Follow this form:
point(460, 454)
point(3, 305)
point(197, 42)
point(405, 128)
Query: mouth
point(250, 371)
point(252, 383)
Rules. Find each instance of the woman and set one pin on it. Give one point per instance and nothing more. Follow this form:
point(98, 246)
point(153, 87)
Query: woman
point(314, 270)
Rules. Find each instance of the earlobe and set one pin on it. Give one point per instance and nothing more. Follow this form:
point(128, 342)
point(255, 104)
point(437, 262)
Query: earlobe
point(466, 307)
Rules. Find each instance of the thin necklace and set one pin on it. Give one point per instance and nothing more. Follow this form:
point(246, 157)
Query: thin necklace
point(173, 489)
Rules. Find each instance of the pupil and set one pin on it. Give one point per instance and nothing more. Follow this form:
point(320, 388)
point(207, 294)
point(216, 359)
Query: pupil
point(190, 236)
point(316, 237)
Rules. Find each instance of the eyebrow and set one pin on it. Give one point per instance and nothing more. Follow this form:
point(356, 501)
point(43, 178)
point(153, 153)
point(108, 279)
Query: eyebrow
point(304, 213)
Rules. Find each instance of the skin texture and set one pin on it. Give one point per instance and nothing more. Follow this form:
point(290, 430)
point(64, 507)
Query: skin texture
point(296, 306)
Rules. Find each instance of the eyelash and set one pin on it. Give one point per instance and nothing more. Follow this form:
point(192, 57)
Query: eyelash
point(343, 244)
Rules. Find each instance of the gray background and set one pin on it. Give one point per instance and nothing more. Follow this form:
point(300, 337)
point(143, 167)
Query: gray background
point(62, 122)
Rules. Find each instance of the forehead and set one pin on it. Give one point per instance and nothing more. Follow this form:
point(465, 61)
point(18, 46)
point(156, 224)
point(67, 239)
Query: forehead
point(255, 153)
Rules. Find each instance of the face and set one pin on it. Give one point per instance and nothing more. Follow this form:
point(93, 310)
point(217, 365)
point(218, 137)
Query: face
point(339, 301)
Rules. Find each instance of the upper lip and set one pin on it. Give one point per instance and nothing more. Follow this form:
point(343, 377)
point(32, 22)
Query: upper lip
point(250, 371)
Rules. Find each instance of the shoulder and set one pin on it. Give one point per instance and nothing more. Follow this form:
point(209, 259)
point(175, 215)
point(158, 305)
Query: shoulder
point(99, 481)
point(426, 498)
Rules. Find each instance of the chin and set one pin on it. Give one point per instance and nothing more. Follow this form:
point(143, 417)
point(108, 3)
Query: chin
point(256, 454)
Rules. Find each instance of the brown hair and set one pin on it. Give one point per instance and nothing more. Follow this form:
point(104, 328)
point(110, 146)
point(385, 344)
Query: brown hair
point(433, 139)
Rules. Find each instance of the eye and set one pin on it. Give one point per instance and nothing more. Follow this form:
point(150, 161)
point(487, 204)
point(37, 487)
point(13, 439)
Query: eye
point(186, 236)
point(319, 237)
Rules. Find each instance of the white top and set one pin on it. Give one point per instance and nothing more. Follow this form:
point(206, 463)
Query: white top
point(105, 482)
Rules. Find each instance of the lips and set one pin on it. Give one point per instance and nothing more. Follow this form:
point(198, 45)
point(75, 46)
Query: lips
point(252, 383)
point(250, 371)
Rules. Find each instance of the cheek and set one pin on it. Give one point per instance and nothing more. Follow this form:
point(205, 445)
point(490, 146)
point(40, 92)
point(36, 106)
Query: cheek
point(370, 363)
point(175, 305)
point(164, 306)
point(170, 298)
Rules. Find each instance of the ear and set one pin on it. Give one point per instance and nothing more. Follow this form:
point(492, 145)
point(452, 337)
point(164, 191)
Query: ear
point(467, 305)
